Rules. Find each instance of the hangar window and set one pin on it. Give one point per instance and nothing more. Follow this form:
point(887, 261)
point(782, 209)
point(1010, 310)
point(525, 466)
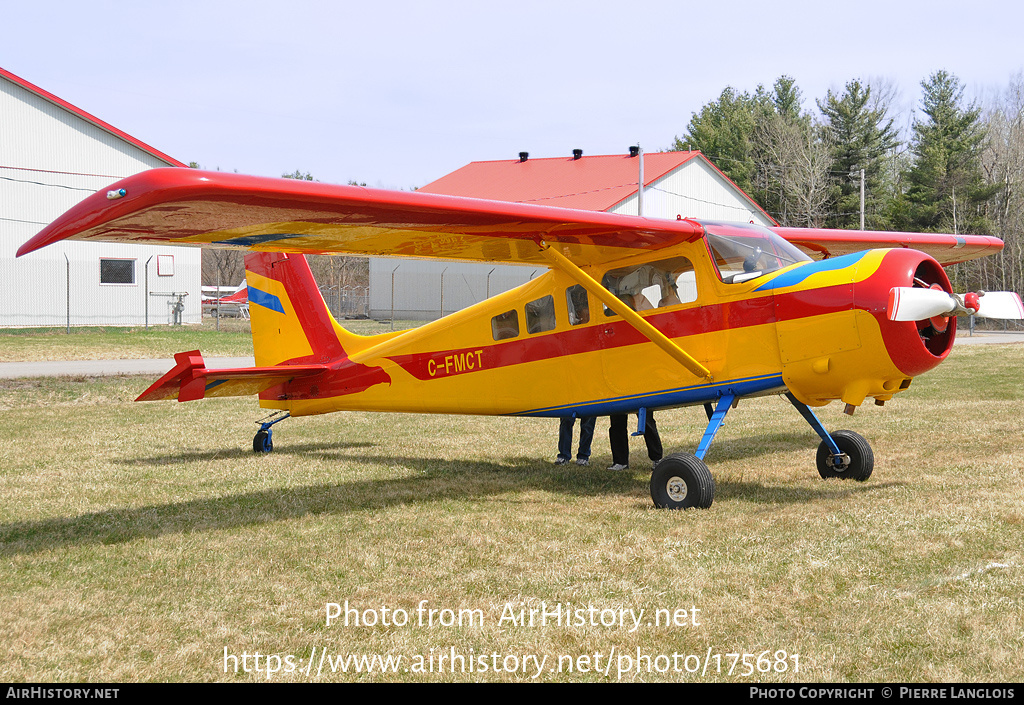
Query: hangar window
point(579, 306)
point(505, 325)
point(540, 315)
point(117, 271)
point(642, 287)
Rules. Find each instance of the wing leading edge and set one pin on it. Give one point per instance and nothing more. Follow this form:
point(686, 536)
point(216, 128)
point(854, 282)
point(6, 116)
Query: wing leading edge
point(213, 209)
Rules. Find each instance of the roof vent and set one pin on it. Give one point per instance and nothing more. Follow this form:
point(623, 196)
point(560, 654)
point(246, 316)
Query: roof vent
point(523, 156)
point(634, 150)
point(577, 153)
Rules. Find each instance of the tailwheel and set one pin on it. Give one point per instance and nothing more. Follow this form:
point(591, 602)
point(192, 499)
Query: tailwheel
point(682, 481)
point(263, 442)
point(855, 463)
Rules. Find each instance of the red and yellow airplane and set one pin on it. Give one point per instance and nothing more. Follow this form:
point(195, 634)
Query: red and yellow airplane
point(633, 314)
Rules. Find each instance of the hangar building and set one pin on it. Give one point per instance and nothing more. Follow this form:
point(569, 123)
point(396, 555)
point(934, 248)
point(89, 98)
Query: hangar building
point(675, 183)
point(52, 155)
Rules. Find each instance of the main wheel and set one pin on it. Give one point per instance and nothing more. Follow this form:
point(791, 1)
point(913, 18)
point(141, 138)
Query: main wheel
point(862, 460)
point(262, 443)
point(682, 481)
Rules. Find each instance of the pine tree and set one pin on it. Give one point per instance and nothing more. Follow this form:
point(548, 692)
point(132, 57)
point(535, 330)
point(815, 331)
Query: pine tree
point(723, 131)
point(861, 138)
point(946, 188)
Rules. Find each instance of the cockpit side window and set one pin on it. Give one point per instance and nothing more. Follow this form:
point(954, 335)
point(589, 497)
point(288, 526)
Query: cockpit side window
point(751, 253)
point(652, 285)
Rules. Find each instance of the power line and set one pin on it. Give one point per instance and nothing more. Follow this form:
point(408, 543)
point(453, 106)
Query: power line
point(40, 183)
point(16, 220)
point(51, 171)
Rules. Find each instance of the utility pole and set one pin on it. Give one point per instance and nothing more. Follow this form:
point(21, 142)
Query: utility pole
point(147, 294)
point(393, 296)
point(442, 291)
point(640, 190)
point(861, 199)
point(68, 302)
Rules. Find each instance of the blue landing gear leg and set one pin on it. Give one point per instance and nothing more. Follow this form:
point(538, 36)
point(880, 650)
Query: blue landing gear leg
point(263, 442)
point(681, 480)
point(843, 454)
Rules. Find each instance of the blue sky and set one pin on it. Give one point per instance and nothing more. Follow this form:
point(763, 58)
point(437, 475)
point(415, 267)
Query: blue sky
point(397, 94)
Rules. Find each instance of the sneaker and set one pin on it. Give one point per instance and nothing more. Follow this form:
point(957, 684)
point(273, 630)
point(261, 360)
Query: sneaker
point(618, 466)
point(561, 461)
point(582, 461)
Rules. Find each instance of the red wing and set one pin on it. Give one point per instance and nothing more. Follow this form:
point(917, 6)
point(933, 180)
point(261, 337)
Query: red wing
point(947, 249)
point(191, 207)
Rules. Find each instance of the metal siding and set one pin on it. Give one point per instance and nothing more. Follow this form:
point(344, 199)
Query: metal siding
point(37, 137)
point(418, 286)
point(694, 190)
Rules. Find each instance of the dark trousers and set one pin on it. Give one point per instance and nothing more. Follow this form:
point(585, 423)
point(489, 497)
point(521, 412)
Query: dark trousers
point(565, 437)
point(618, 436)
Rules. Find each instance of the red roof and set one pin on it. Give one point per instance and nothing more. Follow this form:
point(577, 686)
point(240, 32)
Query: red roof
point(90, 118)
point(588, 183)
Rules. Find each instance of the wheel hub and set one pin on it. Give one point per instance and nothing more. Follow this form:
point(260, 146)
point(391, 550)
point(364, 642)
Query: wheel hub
point(840, 462)
point(676, 488)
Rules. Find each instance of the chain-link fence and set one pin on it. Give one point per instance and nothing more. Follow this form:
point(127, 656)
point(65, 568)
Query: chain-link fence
point(347, 301)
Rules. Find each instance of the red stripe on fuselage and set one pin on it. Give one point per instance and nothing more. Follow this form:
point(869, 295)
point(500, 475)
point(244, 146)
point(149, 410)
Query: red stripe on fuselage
point(615, 332)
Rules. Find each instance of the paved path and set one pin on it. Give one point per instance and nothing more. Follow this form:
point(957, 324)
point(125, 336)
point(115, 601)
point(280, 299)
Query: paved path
point(10, 370)
point(97, 368)
point(989, 336)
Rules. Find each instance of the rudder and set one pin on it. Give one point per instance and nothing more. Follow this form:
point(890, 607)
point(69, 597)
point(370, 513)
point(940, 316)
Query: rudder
point(291, 324)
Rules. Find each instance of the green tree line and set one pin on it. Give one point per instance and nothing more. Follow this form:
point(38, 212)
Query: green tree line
point(959, 169)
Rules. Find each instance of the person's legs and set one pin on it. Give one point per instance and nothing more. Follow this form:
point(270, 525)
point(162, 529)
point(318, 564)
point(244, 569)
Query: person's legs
point(565, 438)
point(618, 437)
point(653, 440)
point(587, 424)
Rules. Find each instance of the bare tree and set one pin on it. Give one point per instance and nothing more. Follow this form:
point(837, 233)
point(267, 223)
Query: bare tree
point(796, 155)
point(1003, 166)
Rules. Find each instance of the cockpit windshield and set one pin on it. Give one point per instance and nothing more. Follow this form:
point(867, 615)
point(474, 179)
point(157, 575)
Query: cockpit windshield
point(744, 252)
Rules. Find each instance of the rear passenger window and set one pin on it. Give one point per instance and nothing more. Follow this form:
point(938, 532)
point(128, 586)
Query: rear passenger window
point(505, 325)
point(540, 315)
point(579, 306)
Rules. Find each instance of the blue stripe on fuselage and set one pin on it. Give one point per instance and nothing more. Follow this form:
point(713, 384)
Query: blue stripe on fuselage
point(799, 274)
point(684, 396)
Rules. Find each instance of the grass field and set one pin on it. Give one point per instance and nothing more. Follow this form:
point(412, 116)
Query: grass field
point(115, 343)
point(147, 542)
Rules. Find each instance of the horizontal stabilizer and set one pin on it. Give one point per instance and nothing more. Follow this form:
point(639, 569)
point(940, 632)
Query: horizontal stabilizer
point(191, 380)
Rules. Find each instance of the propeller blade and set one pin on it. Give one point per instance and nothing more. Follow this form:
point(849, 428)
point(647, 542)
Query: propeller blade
point(1000, 304)
point(908, 303)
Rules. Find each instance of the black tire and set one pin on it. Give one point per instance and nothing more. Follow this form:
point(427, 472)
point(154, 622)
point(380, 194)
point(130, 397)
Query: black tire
point(862, 460)
point(262, 443)
point(682, 481)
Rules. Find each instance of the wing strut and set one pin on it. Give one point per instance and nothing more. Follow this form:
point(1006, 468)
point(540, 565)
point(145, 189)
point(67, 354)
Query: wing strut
point(561, 262)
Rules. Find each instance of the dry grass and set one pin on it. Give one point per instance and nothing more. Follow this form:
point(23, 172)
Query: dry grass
point(113, 343)
point(137, 541)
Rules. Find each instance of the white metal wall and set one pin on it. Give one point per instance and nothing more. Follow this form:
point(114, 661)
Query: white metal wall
point(695, 190)
point(49, 160)
point(417, 286)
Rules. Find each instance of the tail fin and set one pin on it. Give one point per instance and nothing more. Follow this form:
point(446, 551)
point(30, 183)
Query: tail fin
point(290, 321)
